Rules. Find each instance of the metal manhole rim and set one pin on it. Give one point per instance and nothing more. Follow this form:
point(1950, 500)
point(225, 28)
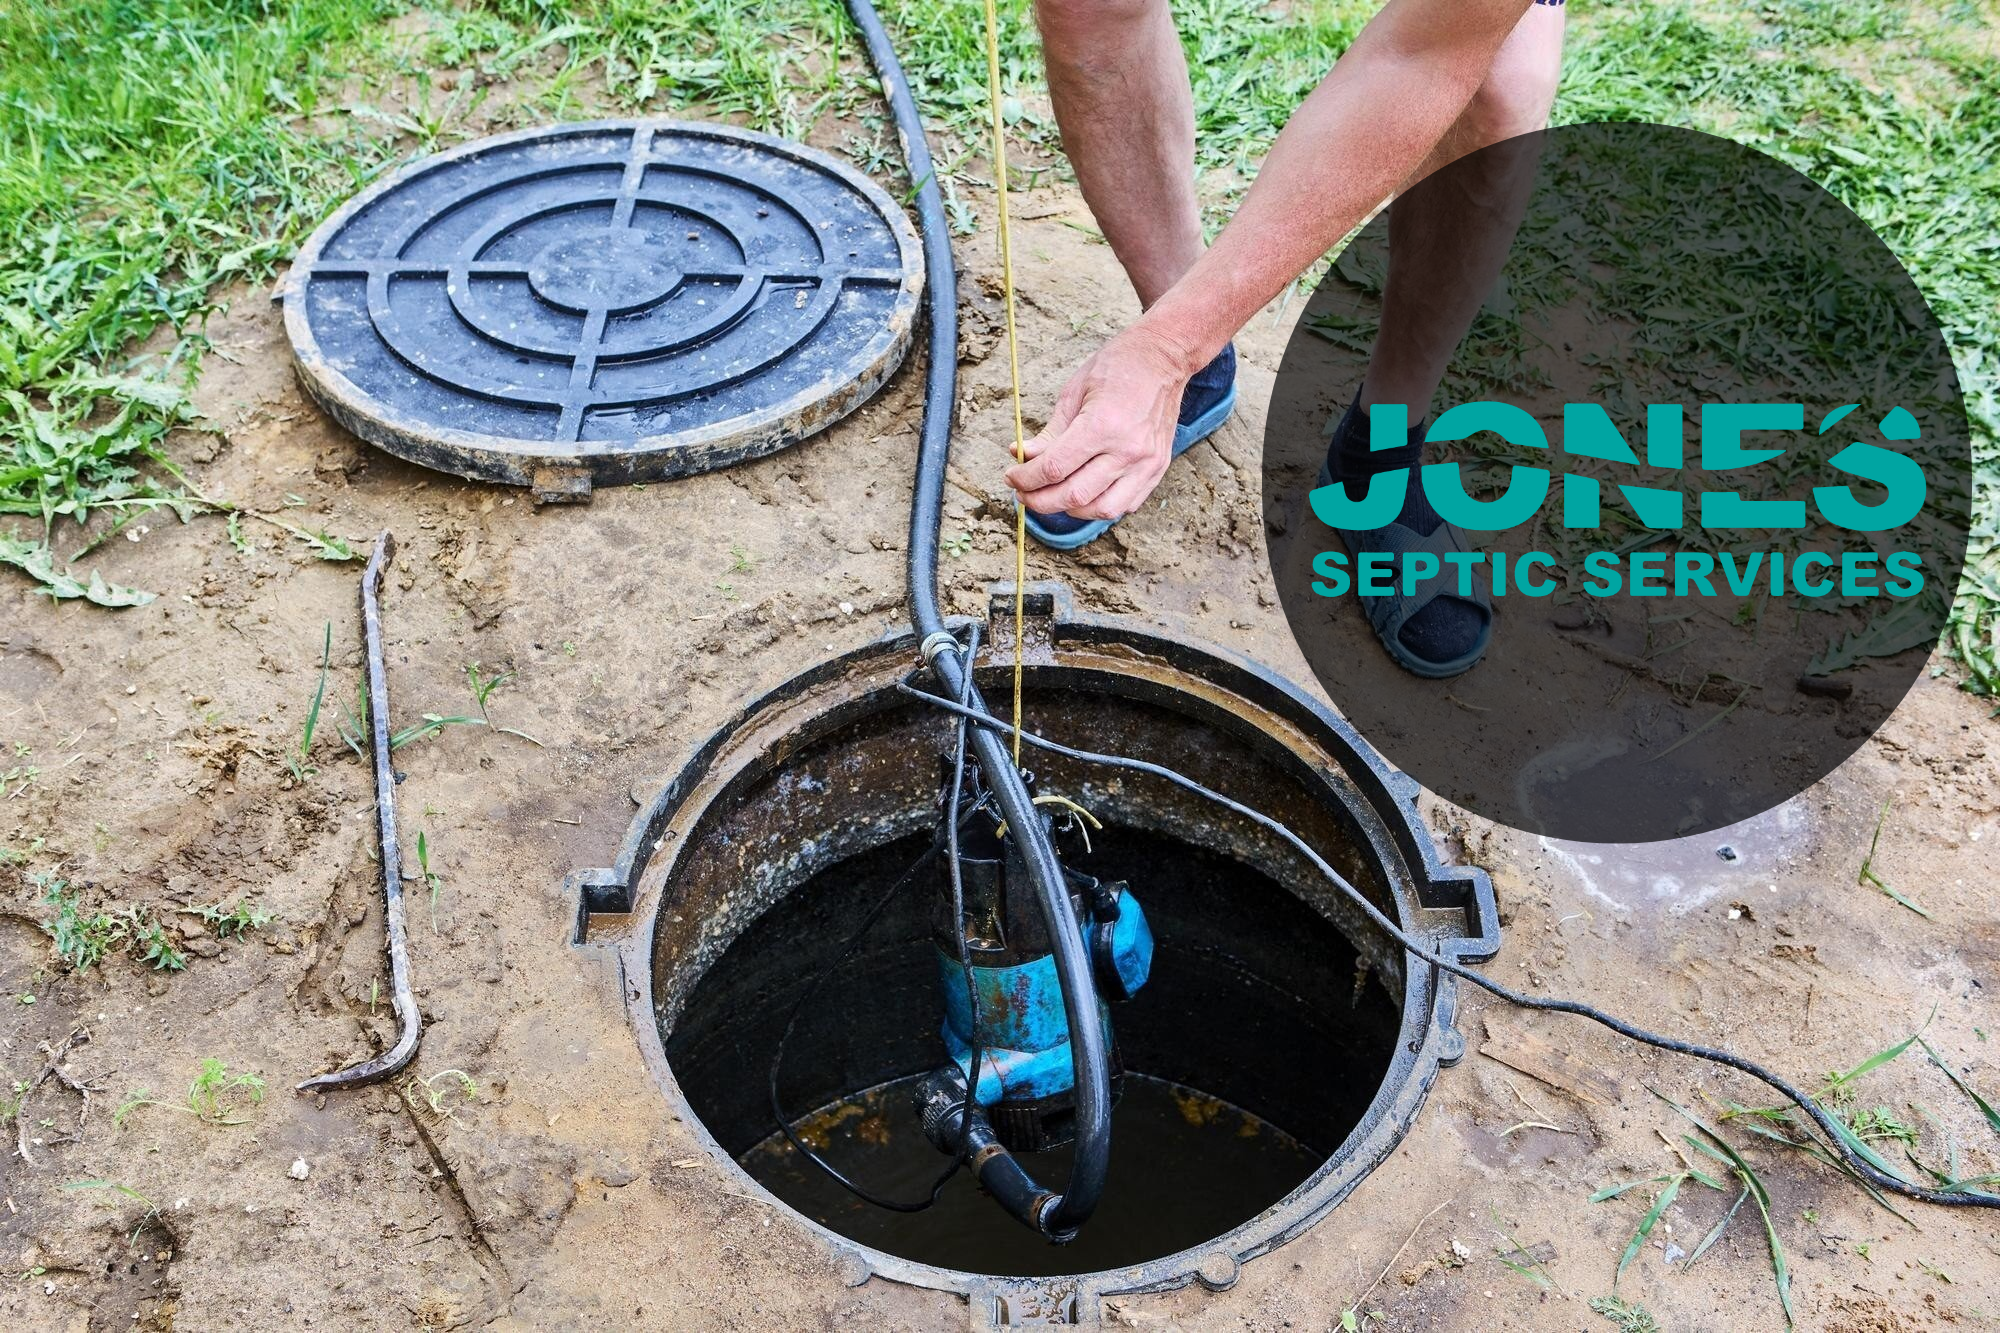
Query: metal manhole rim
point(507, 459)
point(1428, 1036)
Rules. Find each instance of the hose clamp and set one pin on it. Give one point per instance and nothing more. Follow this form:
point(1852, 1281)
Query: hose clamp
point(936, 643)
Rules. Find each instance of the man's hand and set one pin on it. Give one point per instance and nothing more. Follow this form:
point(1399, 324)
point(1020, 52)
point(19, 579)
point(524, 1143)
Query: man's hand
point(1111, 436)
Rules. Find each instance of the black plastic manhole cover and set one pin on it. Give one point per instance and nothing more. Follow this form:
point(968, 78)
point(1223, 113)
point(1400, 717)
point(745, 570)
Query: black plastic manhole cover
point(612, 301)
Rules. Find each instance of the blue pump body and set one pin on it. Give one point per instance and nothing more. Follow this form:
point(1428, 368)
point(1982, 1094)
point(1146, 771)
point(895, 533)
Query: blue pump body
point(1017, 1011)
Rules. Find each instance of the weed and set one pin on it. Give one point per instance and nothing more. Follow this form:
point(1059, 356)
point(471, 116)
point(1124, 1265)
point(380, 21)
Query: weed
point(215, 1097)
point(233, 920)
point(82, 939)
point(85, 939)
point(213, 1085)
point(1626, 1317)
point(1880, 1123)
point(436, 1090)
point(739, 559)
point(154, 945)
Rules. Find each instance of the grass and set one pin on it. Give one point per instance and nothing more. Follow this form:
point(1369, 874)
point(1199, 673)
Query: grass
point(1862, 1131)
point(156, 152)
point(433, 882)
point(1712, 1144)
point(123, 1190)
point(150, 155)
point(299, 763)
point(1868, 875)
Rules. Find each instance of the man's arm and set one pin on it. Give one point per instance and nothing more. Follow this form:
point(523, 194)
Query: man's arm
point(1351, 144)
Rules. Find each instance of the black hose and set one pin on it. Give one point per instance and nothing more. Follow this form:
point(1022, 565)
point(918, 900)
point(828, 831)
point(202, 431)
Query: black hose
point(1089, 1051)
point(1820, 1117)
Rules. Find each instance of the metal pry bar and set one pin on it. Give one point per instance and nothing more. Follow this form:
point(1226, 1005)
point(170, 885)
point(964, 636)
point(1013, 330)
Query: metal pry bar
point(409, 1023)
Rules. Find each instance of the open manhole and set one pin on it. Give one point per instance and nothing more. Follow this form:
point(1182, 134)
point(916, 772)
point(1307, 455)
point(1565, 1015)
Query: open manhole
point(604, 302)
point(1279, 1051)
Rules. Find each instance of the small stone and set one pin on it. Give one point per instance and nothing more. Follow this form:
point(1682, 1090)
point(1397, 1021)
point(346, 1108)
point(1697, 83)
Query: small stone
point(1825, 687)
point(299, 1169)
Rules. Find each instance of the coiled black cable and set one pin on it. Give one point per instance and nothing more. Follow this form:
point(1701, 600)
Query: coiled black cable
point(1820, 1117)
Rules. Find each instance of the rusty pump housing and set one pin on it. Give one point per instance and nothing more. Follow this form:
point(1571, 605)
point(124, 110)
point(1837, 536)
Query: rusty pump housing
point(1006, 1025)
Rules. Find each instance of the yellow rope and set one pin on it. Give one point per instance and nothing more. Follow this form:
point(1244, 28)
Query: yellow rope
point(1013, 347)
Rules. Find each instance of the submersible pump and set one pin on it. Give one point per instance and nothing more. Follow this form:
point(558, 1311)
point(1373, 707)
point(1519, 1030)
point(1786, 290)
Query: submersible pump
point(1010, 1082)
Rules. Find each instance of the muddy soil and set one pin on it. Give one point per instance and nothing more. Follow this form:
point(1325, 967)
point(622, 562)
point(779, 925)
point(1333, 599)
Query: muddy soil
point(563, 1195)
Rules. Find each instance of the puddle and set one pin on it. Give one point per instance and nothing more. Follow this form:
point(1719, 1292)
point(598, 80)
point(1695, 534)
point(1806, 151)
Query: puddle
point(1184, 1167)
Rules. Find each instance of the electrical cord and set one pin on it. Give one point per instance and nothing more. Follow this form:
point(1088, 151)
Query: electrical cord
point(953, 820)
point(1090, 1051)
point(958, 909)
point(778, 1057)
point(1827, 1125)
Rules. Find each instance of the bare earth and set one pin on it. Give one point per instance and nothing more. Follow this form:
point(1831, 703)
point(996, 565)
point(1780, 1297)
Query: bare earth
point(564, 1196)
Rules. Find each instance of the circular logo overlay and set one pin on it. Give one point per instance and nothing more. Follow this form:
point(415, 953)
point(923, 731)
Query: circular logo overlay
point(1617, 482)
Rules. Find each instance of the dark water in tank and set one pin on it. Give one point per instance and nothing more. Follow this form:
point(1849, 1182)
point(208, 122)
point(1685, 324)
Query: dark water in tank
point(1255, 1047)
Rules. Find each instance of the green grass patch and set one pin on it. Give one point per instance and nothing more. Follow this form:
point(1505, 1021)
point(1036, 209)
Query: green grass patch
point(154, 151)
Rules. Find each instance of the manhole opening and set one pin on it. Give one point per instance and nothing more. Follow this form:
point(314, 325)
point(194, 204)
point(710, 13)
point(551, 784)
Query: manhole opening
point(1277, 1052)
point(1254, 1049)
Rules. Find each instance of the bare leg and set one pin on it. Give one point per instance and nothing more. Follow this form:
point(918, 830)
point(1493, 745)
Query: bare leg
point(1448, 242)
point(1449, 237)
point(1119, 81)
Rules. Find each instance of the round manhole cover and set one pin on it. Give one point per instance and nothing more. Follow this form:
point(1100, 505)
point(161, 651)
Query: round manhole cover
point(630, 300)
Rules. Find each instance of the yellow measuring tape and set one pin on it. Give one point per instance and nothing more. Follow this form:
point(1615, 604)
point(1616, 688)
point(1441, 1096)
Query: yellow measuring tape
point(1013, 347)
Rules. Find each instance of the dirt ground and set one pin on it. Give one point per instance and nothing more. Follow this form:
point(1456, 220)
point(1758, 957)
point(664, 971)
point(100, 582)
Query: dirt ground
point(564, 1196)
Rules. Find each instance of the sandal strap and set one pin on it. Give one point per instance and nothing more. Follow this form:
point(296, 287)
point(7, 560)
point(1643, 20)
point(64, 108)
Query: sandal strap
point(1389, 612)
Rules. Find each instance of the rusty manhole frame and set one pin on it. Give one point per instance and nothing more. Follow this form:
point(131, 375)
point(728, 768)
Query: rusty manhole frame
point(1450, 907)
